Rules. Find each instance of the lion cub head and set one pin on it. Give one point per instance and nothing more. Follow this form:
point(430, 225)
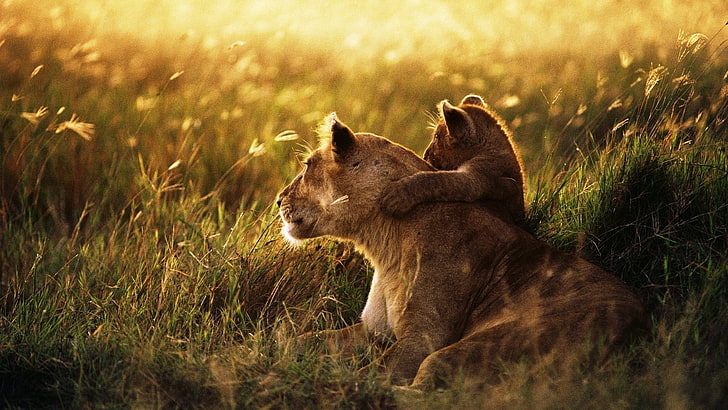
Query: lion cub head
point(464, 132)
point(339, 188)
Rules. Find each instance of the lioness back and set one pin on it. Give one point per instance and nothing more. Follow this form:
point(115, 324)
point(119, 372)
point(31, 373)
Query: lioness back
point(472, 148)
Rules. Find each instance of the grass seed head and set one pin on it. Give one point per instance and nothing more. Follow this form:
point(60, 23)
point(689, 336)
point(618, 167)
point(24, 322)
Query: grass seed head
point(35, 117)
point(84, 130)
point(654, 76)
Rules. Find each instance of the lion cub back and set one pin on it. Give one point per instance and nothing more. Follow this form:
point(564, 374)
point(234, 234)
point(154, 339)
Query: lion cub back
point(471, 138)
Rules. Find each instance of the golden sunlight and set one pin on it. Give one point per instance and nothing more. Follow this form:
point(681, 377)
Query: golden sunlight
point(393, 30)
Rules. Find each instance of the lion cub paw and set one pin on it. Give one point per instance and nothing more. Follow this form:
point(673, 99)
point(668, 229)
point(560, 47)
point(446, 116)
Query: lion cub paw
point(396, 201)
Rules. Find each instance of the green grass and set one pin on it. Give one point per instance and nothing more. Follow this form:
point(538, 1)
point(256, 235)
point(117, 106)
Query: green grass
point(142, 266)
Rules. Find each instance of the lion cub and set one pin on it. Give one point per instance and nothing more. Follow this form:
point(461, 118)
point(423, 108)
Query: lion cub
point(472, 149)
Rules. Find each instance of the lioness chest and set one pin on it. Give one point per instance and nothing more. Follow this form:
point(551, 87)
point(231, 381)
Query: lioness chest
point(387, 300)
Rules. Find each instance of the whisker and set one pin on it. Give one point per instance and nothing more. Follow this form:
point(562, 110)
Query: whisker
point(433, 120)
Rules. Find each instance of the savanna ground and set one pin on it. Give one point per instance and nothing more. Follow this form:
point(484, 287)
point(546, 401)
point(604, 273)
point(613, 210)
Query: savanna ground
point(144, 142)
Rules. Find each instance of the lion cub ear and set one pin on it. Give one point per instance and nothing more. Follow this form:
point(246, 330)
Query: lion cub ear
point(459, 125)
point(473, 99)
point(342, 138)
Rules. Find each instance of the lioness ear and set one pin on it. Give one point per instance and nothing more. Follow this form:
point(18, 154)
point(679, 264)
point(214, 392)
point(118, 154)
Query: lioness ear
point(342, 138)
point(459, 124)
point(473, 99)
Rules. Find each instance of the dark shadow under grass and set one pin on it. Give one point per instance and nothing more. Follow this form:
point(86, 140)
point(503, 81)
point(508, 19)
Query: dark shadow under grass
point(653, 209)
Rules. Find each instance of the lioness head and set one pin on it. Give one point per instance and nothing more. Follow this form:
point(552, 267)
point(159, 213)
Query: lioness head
point(339, 188)
point(460, 129)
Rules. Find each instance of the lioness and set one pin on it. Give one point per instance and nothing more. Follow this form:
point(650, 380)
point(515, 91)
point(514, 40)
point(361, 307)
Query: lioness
point(472, 149)
point(457, 288)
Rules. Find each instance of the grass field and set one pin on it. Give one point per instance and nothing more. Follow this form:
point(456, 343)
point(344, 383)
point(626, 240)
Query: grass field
point(143, 143)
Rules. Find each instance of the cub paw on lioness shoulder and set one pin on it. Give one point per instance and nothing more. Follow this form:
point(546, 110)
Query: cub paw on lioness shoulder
point(472, 149)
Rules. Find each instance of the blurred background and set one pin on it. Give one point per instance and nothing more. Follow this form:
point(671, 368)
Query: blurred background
point(229, 91)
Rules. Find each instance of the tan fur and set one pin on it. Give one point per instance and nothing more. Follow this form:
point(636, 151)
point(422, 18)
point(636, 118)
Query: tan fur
point(472, 148)
point(457, 288)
